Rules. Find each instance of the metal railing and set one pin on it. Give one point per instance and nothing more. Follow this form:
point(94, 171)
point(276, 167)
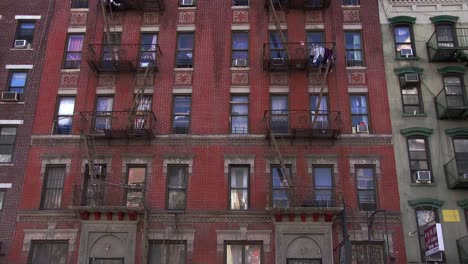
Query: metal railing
point(300, 4)
point(456, 172)
point(79, 4)
point(117, 124)
point(146, 5)
point(109, 195)
point(279, 56)
point(451, 103)
point(122, 57)
point(304, 197)
point(448, 46)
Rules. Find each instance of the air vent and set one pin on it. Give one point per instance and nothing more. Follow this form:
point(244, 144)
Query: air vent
point(10, 97)
point(240, 62)
point(21, 44)
point(362, 128)
point(409, 80)
point(423, 176)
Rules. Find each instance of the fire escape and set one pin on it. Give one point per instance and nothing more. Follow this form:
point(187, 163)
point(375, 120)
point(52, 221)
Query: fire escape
point(317, 123)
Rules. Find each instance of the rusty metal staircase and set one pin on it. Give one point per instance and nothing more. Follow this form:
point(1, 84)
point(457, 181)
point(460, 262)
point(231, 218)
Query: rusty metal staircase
point(277, 12)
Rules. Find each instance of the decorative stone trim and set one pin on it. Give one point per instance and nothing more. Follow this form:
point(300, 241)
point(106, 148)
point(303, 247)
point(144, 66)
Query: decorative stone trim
point(457, 131)
point(452, 69)
point(146, 160)
point(402, 20)
point(104, 159)
point(364, 160)
point(444, 18)
point(275, 161)
point(239, 160)
point(170, 234)
point(323, 160)
point(402, 70)
point(210, 218)
point(426, 202)
point(463, 204)
point(416, 131)
point(47, 216)
point(51, 233)
point(178, 159)
point(51, 159)
point(242, 235)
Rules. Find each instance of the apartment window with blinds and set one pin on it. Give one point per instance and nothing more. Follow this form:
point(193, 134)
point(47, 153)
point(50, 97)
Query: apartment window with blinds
point(64, 119)
point(323, 186)
point(181, 114)
point(354, 52)
point(280, 186)
point(239, 114)
point(177, 177)
point(239, 187)
point(419, 160)
point(404, 42)
point(17, 82)
point(167, 251)
point(359, 113)
point(454, 90)
point(48, 252)
point(319, 111)
point(148, 48)
point(136, 179)
point(185, 49)
point(7, 142)
point(240, 48)
point(243, 252)
point(103, 115)
point(411, 98)
point(2, 198)
point(25, 31)
point(53, 187)
point(277, 48)
point(73, 52)
point(110, 51)
point(279, 114)
point(366, 188)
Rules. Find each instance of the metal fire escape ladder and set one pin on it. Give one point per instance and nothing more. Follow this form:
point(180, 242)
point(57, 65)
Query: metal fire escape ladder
point(107, 17)
point(284, 171)
point(276, 20)
point(322, 88)
point(94, 184)
point(140, 84)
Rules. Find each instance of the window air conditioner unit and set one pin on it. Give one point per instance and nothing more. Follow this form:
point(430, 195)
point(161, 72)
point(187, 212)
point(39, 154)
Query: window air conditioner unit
point(435, 258)
point(10, 97)
point(465, 176)
point(409, 80)
point(423, 176)
point(362, 128)
point(277, 61)
point(187, 2)
point(21, 44)
point(240, 62)
point(406, 52)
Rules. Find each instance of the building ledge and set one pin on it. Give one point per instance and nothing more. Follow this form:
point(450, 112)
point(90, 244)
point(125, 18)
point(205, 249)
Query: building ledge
point(414, 115)
point(405, 58)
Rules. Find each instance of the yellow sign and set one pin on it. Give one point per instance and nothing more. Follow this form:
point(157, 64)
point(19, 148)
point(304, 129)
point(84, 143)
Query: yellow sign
point(451, 215)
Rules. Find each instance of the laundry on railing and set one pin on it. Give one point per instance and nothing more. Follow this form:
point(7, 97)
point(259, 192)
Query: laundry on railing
point(319, 55)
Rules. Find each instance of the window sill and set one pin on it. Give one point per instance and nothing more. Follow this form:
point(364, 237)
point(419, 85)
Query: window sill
point(70, 70)
point(356, 67)
point(240, 68)
point(79, 9)
point(413, 184)
point(240, 7)
point(348, 6)
point(7, 164)
point(183, 69)
point(187, 7)
point(28, 49)
point(414, 115)
point(11, 103)
point(409, 58)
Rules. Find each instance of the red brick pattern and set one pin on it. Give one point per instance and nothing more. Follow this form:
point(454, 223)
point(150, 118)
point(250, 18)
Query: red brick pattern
point(69, 80)
point(187, 17)
point(107, 80)
point(356, 77)
point(151, 18)
point(314, 16)
point(183, 78)
point(78, 18)
point(239, 78)
point(351, 15)
point(240, 16)
point(279, 78)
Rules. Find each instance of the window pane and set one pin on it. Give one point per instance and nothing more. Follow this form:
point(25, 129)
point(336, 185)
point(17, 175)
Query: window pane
point(323, 177)
point(18, 79)
point(402, 34)
point(252, 254)
point(182, 105)
point(176, 200)
point(358, 104)
point(460, 145)
point(233, 254)
point(136, 175)
point(66, 106)
point(177, 184)
point(53, 187)
point(240, 2)
point(75, 43)
point(2, 198)
point(104, 104)
point(240, 40)
point(323, 103)
point(239, 177)
point(314, 37)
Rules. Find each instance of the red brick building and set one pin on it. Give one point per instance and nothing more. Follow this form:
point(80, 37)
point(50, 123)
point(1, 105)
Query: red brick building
point(211, 132)
point(22, 43)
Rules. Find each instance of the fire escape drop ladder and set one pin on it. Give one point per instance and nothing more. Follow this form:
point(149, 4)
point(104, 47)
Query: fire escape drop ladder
point(322, 88)
point(277, 22)
point(107, 18)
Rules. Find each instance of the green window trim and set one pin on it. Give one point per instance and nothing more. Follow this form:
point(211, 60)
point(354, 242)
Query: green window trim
point(403, 70)
point(441, 19)
point(463, 204)
point(426, 202)
point(457, 131)
point(451, 69)
point(416, 131)
point(402, 20)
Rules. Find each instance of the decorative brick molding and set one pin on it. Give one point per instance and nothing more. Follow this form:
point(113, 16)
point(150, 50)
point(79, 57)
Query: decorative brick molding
point(239, 78)
point(99, 159)
point(314, 16)
point(356, 77)
point(364, 160)
point(281, 18)
point(275, 161)
point(365, 140)
point(243, 234)
point(351, 15)
point(51, 233)
point(69, 80)
point(107, 80)
point(178, 159)
point(52, 159)
point(78, 19)
point(279, 78)
point(148, 81)
point(240, 16)
point(47, 216)
point(316, 78)
point(170, 233)
point(210, 218)
point(116, 19)
point(324, 160)
point(151, 18)
point(183, 77)
point(187, 17)
point(239, 159)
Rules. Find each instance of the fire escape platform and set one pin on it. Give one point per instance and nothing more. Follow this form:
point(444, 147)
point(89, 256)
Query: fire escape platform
point(444, 48)
point(140, 5)
point(300, 4)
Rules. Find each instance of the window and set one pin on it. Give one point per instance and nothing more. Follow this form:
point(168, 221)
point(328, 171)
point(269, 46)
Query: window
point(7, 141)
point(103, 116)
point(315, 37)
point(460, 146)
point(110, 52)
point(368, 252)
point(351, 2)
point(187, 2)
point(323, 186)
point(243, 253)
point(136, 183)
point(17, 82)
point(277, 48)
point(425, 217)
point(48, 252)
point(359, 112)
point(167, 251)
point(79, 4)
point(53, 187)
point(94, 260)
point(319, 113)
point(453, 85)
point(64, 120)
point(240, 48)
point(142, 118)
point(419, 160)
point(404, 43)
point(239, 187)
point(280, 186)
point(445, 35)
point(279, 114)
point(239, 114)
point(366, 188)
point(181, 115)
point(176, 187)
point(240, 2)
point(354, 55)
point(184, 56)
point(148, 48)
point(73, 53)
point(411, 98)
point(2, 199)
point(25, 31)
point(89, 195)
point(466, 217)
